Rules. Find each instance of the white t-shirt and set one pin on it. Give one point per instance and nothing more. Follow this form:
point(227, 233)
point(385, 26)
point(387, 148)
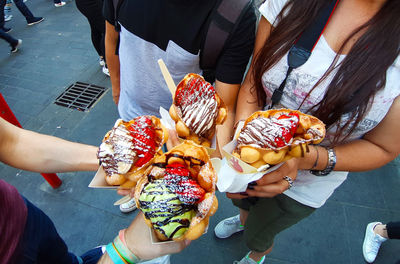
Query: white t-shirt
point(309, 189)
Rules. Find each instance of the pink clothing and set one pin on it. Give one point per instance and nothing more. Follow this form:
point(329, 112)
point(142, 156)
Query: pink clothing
point(13, 214)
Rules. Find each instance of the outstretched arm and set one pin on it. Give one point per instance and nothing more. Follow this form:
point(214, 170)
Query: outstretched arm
point(32, 151)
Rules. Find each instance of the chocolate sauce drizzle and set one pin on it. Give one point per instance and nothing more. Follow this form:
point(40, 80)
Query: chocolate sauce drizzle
point(261, 132)
point(199, 109)
point(192, 160)
point(167, 208)
point(116, 149)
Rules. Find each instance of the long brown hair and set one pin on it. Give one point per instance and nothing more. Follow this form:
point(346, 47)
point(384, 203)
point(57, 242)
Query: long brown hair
point(360, 75)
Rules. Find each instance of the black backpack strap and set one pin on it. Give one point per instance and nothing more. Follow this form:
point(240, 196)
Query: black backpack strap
point(116, 5)
point(302, 49)
point(223, 21)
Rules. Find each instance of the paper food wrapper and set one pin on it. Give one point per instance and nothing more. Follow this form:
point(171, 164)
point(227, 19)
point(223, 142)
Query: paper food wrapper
point(234, 174)
point(169, 123)
point(99, 180)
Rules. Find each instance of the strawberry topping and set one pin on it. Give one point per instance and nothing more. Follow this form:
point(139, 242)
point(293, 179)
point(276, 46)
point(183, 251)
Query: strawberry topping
point(194, 89)
point(271, 132)
point(196, 100)
point(287, 128)
point(144, 139)
point(178, 179)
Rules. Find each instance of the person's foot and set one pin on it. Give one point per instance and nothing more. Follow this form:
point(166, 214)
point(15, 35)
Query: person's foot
point(247, 260)
point(129, 206)
point(60, 4)
point(105, 70)
point(102, 62)
point(92, 256)
point(14, 48)
point(7, 18)
point(372, 242)
point(6, 30)
point(228, 227)
point(35, 20)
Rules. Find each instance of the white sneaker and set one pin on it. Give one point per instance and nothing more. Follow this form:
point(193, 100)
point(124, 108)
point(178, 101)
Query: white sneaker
point(7, 17)
point(228, 227)
point(372, 242)
point(106, 71)
point(248, 260)
point(102, 62)
point(60, 4)
point(129, 206)
point(15, 48)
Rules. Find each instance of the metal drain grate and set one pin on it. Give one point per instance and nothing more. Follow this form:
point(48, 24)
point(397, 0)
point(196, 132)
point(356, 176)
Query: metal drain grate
point(80, 96)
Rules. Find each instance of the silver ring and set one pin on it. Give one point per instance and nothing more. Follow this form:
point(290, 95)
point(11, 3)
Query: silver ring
point(289, 180)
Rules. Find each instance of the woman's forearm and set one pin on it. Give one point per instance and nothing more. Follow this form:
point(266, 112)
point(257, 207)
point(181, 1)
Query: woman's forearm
point(359, 155)
point(32, 151)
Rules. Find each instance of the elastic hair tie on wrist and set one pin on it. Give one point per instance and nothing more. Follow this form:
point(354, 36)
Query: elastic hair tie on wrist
point(114, 255)
point(316, 160)
point(123, 250)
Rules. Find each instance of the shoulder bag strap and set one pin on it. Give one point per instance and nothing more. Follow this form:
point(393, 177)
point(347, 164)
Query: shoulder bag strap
point(302, 49)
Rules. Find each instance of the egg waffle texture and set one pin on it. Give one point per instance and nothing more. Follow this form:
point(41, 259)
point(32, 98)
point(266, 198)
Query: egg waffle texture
point(129, 148)
point(177, 195)
point(273, 136)
point(197, 109)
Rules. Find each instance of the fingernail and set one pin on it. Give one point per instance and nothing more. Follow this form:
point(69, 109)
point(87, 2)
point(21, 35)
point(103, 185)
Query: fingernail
point(253, 183)
point(244, 193)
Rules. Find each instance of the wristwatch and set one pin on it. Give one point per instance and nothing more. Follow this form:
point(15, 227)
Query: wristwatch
point(331, 164)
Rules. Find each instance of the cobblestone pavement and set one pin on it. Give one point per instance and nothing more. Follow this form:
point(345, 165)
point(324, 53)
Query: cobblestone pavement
point(57, 53)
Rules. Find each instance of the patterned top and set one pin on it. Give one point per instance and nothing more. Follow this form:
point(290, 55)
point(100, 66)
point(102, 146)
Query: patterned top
point(309, 189)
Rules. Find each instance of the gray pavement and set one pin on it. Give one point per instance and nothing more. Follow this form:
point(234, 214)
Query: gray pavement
point(57, 53)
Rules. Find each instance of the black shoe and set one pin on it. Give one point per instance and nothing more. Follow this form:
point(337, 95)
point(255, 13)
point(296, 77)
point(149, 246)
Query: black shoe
point(6, 30)
point(35, 20)
point(14, 48)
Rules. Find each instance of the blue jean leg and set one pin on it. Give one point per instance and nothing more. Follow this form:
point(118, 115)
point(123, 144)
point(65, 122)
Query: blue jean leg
point(2, 4)
point(24, 10)
point(41, 242)
point(3, 35)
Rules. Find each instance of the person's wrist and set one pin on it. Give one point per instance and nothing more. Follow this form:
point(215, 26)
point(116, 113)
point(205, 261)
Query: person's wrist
point(310, 159)
point(123, 250)
point(330, 164)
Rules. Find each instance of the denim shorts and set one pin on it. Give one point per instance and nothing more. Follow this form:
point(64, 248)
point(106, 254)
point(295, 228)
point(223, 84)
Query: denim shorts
point(268, 217)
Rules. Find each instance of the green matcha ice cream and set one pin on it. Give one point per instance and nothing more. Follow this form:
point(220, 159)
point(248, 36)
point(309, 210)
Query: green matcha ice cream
point(166, 212)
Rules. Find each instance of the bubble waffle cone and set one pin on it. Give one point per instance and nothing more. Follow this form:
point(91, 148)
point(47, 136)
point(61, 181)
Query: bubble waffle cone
point(197, 109)
point(177, 195)
point(273, 136)
point(129, 148)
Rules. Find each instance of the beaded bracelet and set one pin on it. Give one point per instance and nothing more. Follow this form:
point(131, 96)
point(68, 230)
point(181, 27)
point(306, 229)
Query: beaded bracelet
point(123, 250)
point(114, 255)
